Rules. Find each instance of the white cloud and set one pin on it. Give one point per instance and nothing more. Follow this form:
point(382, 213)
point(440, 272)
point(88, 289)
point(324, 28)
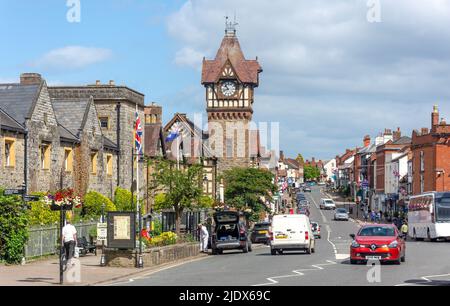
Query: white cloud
point(189, 57)
point(72, 58)
point(328, 73)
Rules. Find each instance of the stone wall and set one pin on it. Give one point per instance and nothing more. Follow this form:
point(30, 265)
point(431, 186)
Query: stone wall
point(151, 257)
point(12, 177)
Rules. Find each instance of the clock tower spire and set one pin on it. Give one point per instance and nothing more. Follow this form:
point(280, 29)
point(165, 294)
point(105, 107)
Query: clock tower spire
point(230, 81)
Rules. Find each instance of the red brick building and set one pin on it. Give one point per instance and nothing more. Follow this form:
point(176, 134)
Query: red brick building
point(431, 156)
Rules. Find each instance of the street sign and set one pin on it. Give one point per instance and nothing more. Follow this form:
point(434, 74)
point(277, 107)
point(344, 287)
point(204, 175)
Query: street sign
point(10, 192)
point(102, 231)
point(29, 198)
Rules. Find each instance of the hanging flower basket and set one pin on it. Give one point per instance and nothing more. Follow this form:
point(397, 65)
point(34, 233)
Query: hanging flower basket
point(63, 199)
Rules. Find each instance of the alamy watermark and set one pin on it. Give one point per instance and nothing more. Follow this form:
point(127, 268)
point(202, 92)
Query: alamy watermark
point(74, 12)
point(374, 12)
point(374, 273)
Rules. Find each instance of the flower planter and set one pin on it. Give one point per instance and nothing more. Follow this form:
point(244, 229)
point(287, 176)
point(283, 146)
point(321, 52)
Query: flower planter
point(55, 207)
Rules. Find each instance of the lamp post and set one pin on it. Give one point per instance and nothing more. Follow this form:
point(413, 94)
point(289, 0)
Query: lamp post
point(103, 258)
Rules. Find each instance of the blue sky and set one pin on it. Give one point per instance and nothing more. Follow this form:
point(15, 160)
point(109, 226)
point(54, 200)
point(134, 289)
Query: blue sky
point(330, 76)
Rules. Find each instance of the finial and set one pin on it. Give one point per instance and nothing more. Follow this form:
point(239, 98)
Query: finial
point(230, 26)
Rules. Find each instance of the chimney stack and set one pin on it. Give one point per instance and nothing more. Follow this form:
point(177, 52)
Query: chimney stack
point(281, 155)
point(98, 83)
point(366, 141)
point(424, 131)
point(112, 83)
point(397, 134)
point(434, 118)
point(30, 79)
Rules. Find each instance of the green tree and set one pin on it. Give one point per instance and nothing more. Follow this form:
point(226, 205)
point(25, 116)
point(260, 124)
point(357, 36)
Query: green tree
point(300, 159)
point(183, 188)
point(245, 188)
point(311, 173)
point(13, 229)
point(93, 202)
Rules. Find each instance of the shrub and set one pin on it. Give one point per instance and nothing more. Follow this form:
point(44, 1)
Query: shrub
point(13, 229)
point(93, 202)
point(40, 213)
point(122, 200)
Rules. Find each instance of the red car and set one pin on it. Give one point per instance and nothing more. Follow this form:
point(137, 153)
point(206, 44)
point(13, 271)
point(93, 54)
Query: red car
point(378, 242)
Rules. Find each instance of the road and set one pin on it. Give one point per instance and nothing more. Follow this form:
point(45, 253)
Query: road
point(427, 263)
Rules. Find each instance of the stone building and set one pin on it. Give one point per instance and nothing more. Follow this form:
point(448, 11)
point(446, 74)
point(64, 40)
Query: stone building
point(116, 110)
point(53, 142)
point(230, 81)
point(431, 156)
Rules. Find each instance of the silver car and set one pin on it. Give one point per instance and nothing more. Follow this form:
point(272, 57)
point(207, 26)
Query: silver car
point(341, 214)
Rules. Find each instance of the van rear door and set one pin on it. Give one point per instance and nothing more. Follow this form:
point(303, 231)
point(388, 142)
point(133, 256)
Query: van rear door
point(289, 230)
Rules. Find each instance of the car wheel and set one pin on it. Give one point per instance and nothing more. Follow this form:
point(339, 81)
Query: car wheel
point(403, 259)
point(309, 249)
point(280, 252)
point(353, 261)
point(214, 251)
point(250, 248)
point(273, 252)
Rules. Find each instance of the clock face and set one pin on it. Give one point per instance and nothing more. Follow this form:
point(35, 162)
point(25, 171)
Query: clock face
point(228, 88)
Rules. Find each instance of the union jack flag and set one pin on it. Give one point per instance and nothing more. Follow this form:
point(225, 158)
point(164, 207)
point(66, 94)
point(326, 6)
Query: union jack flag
point(138, 134)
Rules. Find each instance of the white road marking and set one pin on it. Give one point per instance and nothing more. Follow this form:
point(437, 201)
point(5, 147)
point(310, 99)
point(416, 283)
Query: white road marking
point(273, 280)
point(320, 211)
point(426, 280)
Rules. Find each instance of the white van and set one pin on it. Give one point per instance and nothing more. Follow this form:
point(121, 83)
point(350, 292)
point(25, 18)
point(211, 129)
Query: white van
point(291, 232)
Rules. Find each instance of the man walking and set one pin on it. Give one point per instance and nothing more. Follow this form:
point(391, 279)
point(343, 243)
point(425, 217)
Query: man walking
point(69, 238)
point(204, 237)
point(404, 230)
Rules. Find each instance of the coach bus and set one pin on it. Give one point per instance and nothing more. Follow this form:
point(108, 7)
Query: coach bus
point(429, 216)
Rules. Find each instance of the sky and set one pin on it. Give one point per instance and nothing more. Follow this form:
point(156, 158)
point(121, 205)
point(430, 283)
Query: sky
point(334, 71)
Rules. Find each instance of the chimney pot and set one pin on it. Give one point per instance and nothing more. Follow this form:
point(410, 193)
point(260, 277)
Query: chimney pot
point(30, 79)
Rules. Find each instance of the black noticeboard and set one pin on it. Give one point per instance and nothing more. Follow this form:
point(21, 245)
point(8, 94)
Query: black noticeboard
point(122, 230)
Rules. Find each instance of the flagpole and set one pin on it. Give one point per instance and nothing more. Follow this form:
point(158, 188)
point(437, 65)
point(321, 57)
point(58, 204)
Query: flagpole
point(178, 152)
point(138, 205)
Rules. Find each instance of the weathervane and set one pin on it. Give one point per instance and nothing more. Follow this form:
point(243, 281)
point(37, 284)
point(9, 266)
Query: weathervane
point(230, 26)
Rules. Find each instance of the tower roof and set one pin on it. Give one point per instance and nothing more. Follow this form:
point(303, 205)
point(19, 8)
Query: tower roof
point(230, 50)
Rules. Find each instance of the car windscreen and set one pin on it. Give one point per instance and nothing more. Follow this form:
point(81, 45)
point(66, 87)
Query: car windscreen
point(226, 218)
point(341, 211)
point(443, 209)
point(328, 202)
point(261, 226)
point(377, 231)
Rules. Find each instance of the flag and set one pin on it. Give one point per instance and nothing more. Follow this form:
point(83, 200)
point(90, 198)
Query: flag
point(173, 135)
point(138, 134)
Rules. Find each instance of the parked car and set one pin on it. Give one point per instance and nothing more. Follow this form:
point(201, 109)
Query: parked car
point(303, 211)
point(260, 233)
point(341, 214)
point(303, 203)
point(378, 242)
point(327, 204)
point(230, 232)
point(315, 226)
point(307, 189)
point(291, 232)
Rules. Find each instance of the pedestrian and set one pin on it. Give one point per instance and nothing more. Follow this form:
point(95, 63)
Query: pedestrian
point(366, 215)
point(372, 216)
point(69, 233)
point(378, 216)
point(404, 230)
point(204, 237)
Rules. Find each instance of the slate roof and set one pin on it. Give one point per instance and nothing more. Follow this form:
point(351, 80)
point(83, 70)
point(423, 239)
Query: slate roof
point(71, 113)
point(66, 135)
point(7, 122)
point(108, 144)
point(230, 50)
point(17, 100)
point(403, 140)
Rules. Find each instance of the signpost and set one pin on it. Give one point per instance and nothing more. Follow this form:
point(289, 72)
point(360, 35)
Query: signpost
point(102, 231)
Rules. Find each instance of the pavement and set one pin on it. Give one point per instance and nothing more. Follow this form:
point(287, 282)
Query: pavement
point(85, 272)
point(426, 264)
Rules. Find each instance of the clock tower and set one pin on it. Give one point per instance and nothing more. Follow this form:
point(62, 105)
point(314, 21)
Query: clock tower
point(230, 81)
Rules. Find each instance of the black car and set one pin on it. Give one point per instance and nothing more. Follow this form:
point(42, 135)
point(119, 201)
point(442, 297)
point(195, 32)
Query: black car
point(260, 233)
point(230, 233)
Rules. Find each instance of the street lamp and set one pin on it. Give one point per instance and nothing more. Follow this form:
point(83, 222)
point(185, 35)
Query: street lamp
point(103, 258)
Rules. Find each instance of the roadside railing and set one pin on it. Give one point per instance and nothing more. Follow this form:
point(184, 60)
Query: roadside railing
point(43, 240)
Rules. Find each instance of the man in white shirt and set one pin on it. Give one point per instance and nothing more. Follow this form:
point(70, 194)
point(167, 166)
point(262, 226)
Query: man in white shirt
point(69, 233)
point(204, 237)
